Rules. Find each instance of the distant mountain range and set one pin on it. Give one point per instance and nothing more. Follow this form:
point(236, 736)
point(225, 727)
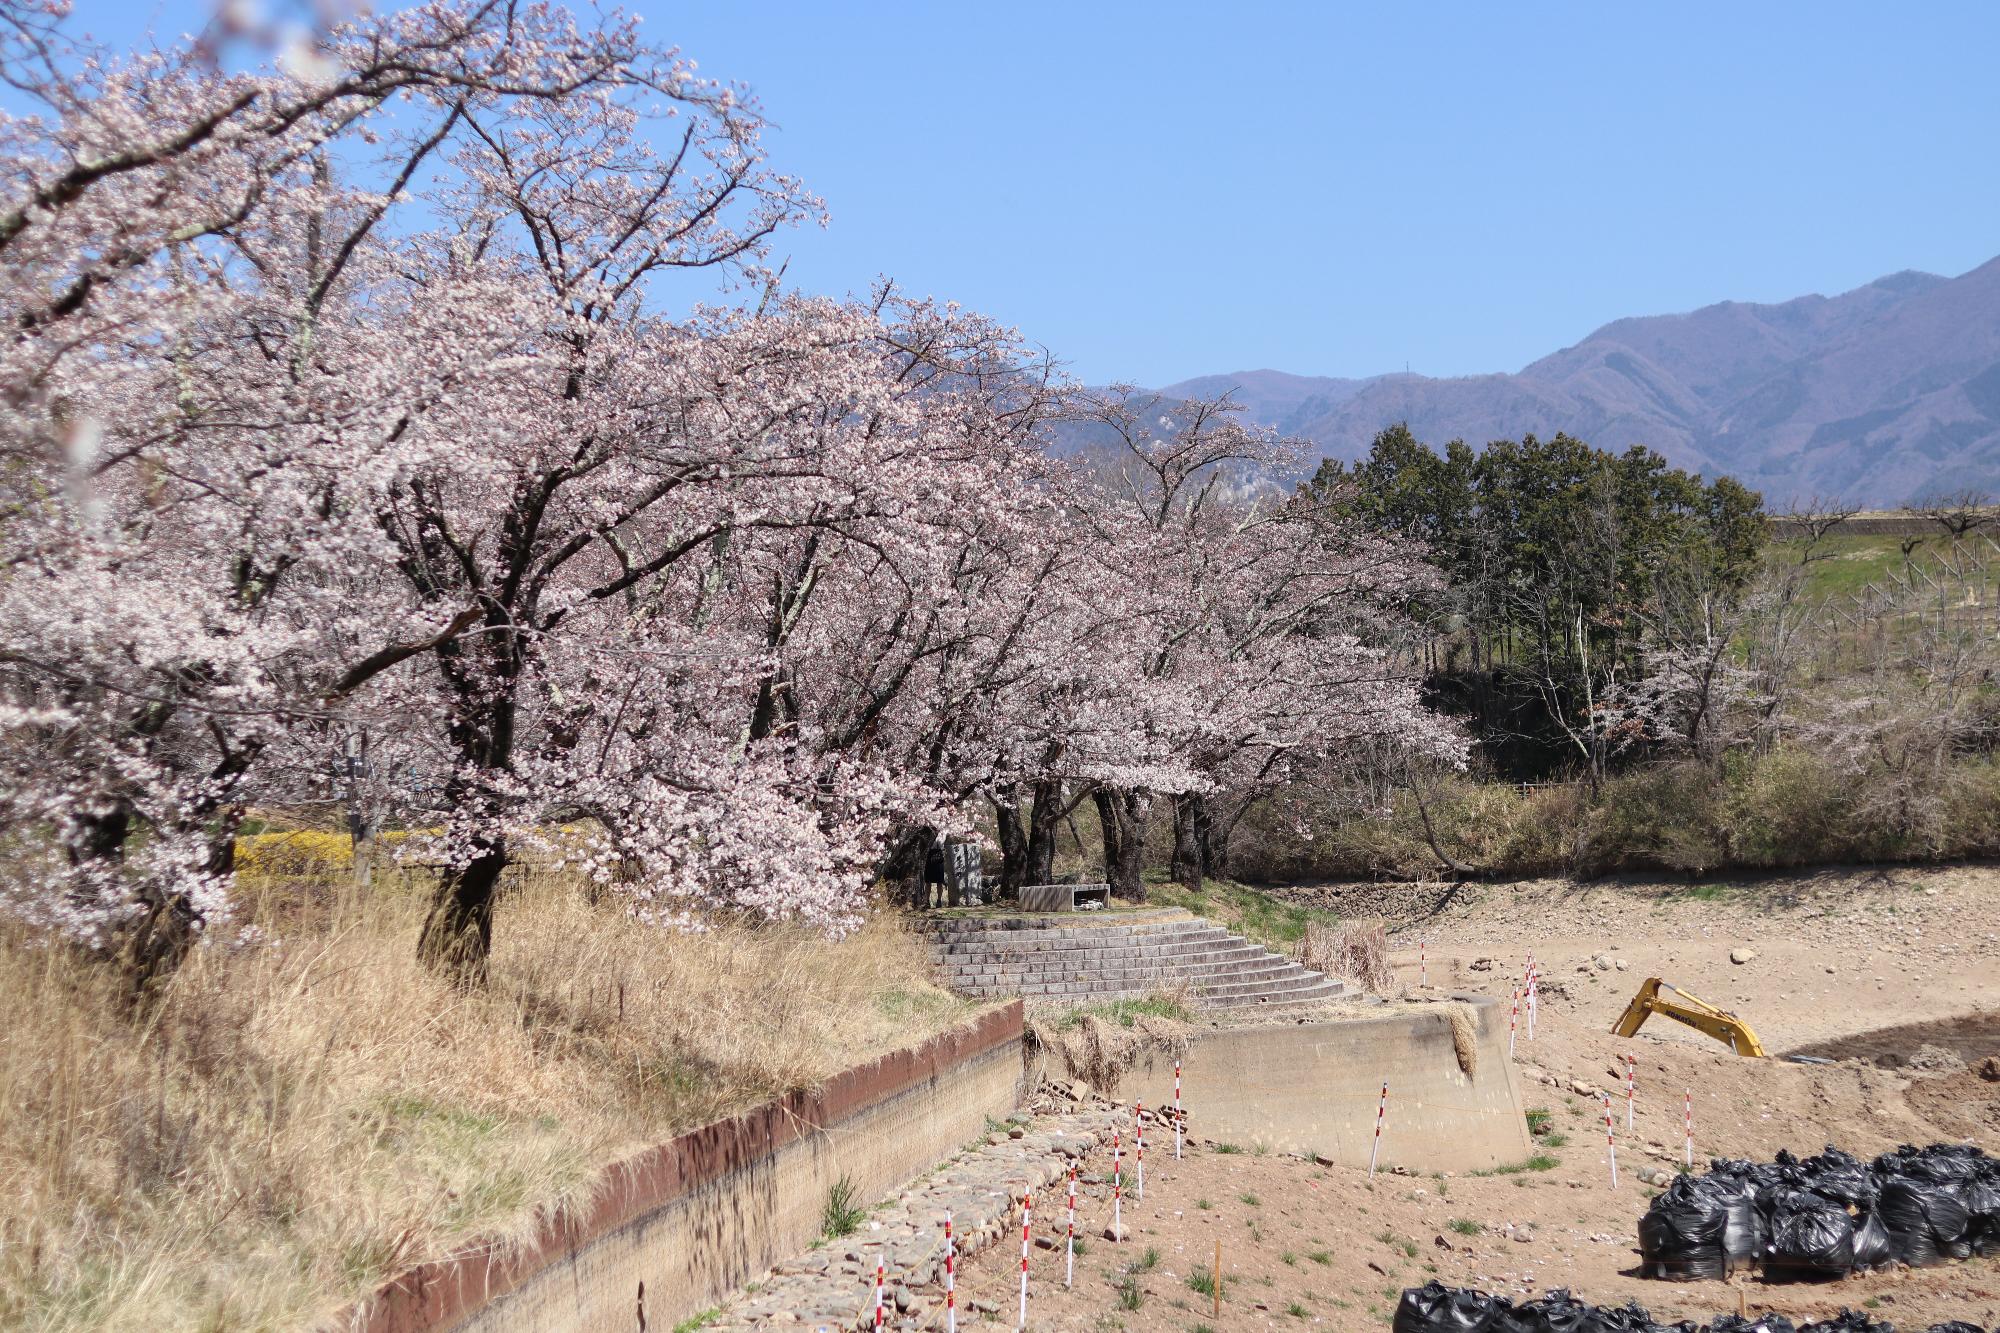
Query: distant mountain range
point(1881, 395)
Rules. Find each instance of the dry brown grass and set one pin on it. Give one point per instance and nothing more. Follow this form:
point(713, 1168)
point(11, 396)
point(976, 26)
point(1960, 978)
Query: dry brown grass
point(289, 1125)
point(1464, 1035)
point(1098, 1043)
point(1354, 950)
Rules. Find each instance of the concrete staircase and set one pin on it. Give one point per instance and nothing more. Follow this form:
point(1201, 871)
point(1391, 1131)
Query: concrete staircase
point(1084, 957)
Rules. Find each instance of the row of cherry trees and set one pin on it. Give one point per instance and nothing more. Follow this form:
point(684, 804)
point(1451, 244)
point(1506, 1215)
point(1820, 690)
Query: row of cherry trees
point(347, 430)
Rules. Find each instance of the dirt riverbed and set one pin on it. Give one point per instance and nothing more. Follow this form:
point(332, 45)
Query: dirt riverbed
point(1890, 975)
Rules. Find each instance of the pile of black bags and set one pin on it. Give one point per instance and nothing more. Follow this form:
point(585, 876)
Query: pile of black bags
point(1825, 1216)
point(1436, 1308)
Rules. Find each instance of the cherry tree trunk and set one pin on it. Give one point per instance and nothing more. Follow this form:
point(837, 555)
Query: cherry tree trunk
point(458, 931)
point(1122, 817)
point(903, 865)
point(1043, 829)
point(1191, 834)
point(152, 942)
point(1013, 849)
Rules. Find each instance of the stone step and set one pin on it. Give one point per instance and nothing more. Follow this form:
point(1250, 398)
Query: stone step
point(1103, 960)
point(1262, 985)
point(1321, 992)
point(1093, 948)
point(1084, 925)
point(1197, 975)
point(1191, 956)
point(1014, 947)
point(1108, 949)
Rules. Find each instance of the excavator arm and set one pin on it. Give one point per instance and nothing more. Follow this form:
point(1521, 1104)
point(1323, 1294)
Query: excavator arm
point(1657, 997)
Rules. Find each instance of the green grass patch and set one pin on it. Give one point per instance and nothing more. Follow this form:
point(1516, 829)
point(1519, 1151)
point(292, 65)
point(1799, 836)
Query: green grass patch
point(1465, 1226)
point(1855, 561)
point(1125, 1013)
point(839, 1215)
point(1708, 893)
point(1541, 1161)
point(1249, 912)
point(1205, 1282)
point(702, 1320)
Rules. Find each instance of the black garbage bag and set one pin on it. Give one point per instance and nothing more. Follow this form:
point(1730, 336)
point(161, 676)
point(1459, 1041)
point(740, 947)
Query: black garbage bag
point(1892, 1164)
point(1681, 1235)
point(1981, 1196)
point(1810, 1236)
point(1841, 1177)
point(1746, 1231)
point(1848, 1321)
point(1436, 1308)
point(1926, 1220)
point(1552, 1312)
point(1873, 1247)
point(1631, 1317)
point(1763, 1323)
point(1939, 1162)
point(1955, 1326)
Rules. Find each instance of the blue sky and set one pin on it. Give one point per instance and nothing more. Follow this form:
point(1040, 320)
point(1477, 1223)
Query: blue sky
point(1161, 190)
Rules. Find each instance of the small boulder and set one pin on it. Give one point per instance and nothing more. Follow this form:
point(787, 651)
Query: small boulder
point(1740, 956)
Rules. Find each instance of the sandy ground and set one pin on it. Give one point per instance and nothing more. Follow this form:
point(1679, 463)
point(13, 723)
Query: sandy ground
point(1873, 970)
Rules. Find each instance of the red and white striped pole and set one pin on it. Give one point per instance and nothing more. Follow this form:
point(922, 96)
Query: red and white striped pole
point(1117, 1186)
point(878, 1292)
point(1513, 1025)
point(1381, 1110)
point(1069, 1240)
point(1534, 995)
point(1177, 1110)
point(950, 1277)
point(1610, 1148)
point(1139, 1138)
point(1027, 1211)
point(1631, 1074)
point(1423, 962)
point(1688, 1112)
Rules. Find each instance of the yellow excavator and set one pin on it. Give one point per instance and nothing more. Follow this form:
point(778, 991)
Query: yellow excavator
point(1697, 1013)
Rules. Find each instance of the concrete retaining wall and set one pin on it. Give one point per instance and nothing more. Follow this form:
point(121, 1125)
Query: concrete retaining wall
point(1312, 1088)
point(677, 1227)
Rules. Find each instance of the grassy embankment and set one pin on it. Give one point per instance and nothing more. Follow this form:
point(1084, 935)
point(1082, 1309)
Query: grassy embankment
point(293, 1121)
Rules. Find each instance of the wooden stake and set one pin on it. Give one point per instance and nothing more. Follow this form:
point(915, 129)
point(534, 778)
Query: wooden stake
point(1216, 1274)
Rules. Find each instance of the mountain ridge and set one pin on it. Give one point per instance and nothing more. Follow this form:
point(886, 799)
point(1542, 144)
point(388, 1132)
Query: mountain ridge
point(1879, 395)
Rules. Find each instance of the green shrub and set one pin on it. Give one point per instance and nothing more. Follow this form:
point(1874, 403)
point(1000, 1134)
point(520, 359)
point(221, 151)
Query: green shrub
point(1792, 809)
point(1668, 818)
point(1972, 808)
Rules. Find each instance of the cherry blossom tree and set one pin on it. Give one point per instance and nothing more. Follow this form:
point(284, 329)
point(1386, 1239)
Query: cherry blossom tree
point(1268, 621)
point(220, 356)
point(345, 417)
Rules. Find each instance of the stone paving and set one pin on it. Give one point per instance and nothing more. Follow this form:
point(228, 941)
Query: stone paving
point(832, 1286)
